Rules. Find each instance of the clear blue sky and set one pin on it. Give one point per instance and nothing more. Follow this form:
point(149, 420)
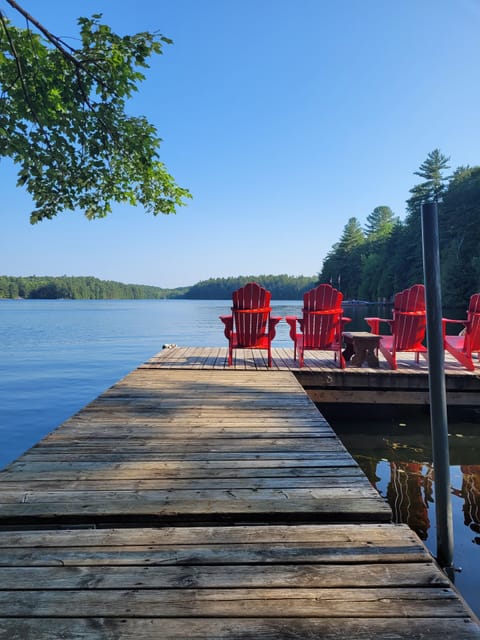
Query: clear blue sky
point(284, 118)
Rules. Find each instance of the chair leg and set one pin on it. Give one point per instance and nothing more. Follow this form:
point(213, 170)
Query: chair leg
point(300, 357)
point(464, 358)
point(389, 356)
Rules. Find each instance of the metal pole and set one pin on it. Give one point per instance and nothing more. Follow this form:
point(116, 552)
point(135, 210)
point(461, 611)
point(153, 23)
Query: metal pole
point(436, 371)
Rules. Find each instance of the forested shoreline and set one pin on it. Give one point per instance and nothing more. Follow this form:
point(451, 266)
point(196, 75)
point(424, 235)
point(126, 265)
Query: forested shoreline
point(283, 287)
point(79, 288)
point(385, 255)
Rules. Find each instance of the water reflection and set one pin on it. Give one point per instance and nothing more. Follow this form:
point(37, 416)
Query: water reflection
point(396, 457)
point(410, 492)
point(470, 492)
point(393, 447)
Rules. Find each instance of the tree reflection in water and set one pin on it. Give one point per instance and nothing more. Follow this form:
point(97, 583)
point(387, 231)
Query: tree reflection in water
point(470, 492)
point(396, 457)
point(394, 451)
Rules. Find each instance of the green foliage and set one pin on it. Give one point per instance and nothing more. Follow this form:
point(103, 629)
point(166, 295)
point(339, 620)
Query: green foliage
point(389, 258)
point(433, 186)
point(376, 276)
point(282, 287)
point(342, 266)
point(432, 171)
point(460, 236)
point(79, 288)
point(63, 120)
point(380, 223)
point(352, 236)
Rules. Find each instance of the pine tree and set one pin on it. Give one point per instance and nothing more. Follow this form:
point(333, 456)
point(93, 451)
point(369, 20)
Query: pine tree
point(380, 223)
point(432, 170)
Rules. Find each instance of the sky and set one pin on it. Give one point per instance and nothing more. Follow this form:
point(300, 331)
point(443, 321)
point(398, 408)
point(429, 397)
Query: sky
point(284, 118)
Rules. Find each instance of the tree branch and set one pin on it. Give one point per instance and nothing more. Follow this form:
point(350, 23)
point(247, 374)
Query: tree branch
point(65, 49)
point(22, 81)
point(57, 42)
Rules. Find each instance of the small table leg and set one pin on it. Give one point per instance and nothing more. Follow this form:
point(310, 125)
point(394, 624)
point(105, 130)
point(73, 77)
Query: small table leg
point(361, 348)
point(348, 351)
point(372, 359)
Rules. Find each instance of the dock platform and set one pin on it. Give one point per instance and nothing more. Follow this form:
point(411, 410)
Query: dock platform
point(209, 503)
point(351, 582)
point(326, 383)
point(197, 447)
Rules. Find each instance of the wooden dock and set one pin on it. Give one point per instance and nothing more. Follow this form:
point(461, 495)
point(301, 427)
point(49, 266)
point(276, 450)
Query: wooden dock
point(209, 503)
point(191, 446)
point(271, 582)
point(326, 383)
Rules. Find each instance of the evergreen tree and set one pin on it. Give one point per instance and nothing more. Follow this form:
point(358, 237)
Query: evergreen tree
point(389, 258)
point(352, 236)
point(410, 253)
point(460, 236)
point(379, 227)
point(380, 223)
point(432, 170)
point(342, 266)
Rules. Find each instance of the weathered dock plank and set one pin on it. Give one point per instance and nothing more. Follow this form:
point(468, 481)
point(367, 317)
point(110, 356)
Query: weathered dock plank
point(270, 582)
point(326, 383)
point(282, 628)
point(235, 441)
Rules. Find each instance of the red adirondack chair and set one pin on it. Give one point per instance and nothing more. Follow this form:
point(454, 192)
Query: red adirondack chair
point(407, 326)
point(321, 325)
point(468, 342)
point(250, 326)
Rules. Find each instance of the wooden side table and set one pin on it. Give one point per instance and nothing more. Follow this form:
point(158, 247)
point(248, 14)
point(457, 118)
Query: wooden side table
point(361, 346)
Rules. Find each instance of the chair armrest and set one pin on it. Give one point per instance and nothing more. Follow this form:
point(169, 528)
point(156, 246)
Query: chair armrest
point(445, 320)
point(272, 324)
point(292, 322)
point(374, 324)
point(465, 323)
point(228, 322)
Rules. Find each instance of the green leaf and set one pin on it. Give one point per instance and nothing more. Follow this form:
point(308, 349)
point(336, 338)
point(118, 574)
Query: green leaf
point(64, 122)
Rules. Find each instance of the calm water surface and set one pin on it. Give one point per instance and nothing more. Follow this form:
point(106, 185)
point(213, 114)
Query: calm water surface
point(57, 355)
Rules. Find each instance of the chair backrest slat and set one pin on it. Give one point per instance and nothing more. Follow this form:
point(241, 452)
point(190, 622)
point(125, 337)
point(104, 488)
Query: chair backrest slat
point(412, 299)
point(409, 318)
point(322, 313)
point(321, 298)
point(251, 296)
point(251, 313)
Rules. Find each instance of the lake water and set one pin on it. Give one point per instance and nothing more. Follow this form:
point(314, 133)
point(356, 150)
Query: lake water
point(57, 355)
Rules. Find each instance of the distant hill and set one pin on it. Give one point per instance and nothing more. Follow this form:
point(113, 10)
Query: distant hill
point(283, 287)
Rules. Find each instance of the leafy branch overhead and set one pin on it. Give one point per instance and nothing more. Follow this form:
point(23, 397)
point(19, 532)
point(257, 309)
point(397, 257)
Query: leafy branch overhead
point(63, 119)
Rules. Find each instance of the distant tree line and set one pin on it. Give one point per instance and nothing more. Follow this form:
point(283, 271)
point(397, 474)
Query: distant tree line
point(79, 288)
point(385, 255)
point(283, 287)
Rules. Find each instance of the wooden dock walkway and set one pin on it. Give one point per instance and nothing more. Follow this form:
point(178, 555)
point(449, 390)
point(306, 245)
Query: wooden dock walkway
point(191, 446)
point(326, 383)
point(325, 582)
point(205, 503)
